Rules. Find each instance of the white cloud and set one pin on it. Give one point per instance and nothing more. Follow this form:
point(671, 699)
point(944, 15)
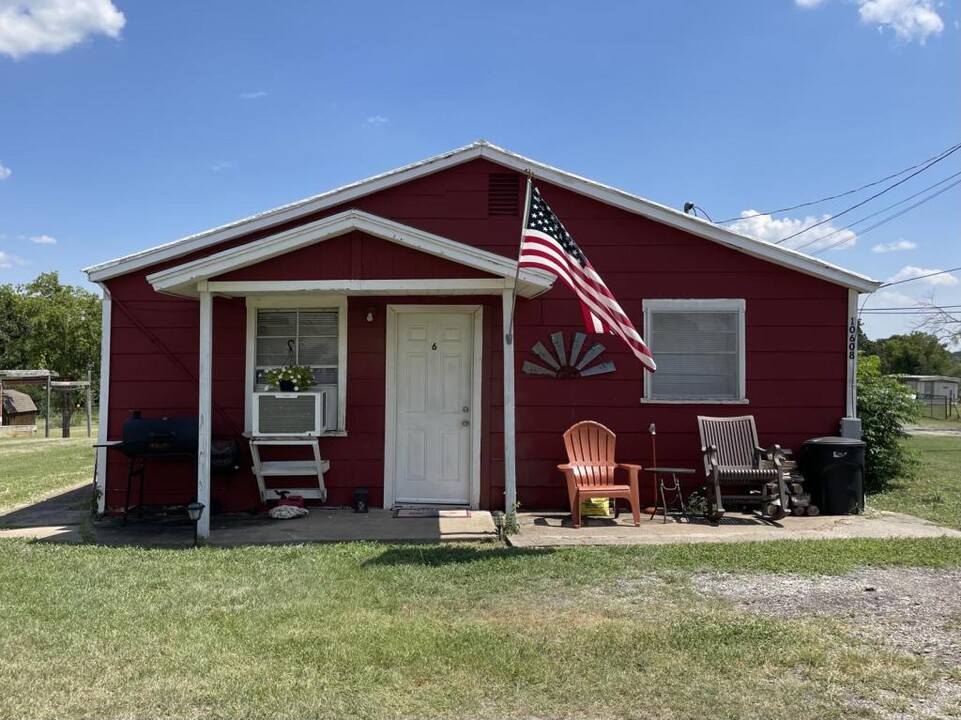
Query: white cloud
point(8, 261)
point(221, 165)
point(253, 95)
point(910, 271)
point(52, 26)
point(376, 120)
point(43, 240)
point(894, 246)
point(910, 19)
point(772, 230)
point(5, 172)
point(890, 298)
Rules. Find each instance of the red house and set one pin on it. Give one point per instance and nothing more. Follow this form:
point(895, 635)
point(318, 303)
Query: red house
point(394, 291)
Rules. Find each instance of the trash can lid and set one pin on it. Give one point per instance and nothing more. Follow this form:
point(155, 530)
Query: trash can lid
point(833, 441)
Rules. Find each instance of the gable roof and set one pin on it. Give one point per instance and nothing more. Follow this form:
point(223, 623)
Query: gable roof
point(482, 149)
point(930, 378)
point(184, 279)
point(17, 402)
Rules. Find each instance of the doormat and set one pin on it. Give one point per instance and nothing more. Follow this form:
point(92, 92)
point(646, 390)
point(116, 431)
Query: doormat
point(431, 513)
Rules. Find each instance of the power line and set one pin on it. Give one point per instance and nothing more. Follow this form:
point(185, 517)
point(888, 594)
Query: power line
point(848, 192)
point(878, 212)
point(919, 277)
point(916, 312)
point(876, 195)
point(888, 219)
point(913, 309)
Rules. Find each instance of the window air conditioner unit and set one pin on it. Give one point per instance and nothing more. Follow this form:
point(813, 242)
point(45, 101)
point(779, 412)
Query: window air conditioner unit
point(278, 413)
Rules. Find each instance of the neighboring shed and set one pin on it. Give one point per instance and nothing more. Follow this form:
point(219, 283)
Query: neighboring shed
point(42, 378)
point(933, 386)
point(397, 292)
point(18, 409)
point(938, 394)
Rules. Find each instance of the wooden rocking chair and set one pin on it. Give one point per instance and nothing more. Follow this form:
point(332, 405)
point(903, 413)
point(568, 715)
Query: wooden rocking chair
point(590, 469)
point(732, 460)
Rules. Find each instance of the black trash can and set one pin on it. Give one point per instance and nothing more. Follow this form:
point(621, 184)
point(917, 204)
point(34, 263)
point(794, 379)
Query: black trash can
point(833, 469)
point(361, 500)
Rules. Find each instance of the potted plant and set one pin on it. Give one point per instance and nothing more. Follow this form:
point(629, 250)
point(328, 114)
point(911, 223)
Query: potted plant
point(291, 378)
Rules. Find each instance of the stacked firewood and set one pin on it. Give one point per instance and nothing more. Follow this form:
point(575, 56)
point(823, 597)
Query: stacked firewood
point(799, 500)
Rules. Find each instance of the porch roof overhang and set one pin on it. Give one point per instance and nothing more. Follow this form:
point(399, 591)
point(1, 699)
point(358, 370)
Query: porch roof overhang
point(191, 278)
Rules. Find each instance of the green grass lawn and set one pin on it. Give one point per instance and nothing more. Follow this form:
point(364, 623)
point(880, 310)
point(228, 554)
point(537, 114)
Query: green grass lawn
point(394, 631)
point(951, 423)
point(381, 631)
point(935, 493)
point(33, 467)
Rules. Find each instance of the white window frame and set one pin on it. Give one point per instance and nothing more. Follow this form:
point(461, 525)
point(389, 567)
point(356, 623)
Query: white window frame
point(298, 301)
point(691, 305)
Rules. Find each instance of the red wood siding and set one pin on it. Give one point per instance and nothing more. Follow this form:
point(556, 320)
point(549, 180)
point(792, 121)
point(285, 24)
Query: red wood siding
point(795, 339)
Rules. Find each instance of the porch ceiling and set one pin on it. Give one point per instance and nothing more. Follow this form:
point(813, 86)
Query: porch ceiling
point(189, 279)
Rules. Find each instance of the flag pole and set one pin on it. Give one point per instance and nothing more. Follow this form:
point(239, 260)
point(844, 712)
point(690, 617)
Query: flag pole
point(517, 272)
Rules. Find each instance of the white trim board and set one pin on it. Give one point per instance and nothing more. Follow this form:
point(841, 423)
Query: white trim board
point(103, 409)
point(482, 149)
point(188, 278)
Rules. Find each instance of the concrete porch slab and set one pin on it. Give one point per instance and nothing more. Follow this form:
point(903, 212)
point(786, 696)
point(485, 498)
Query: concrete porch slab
point(321, 525)
point(555, 529)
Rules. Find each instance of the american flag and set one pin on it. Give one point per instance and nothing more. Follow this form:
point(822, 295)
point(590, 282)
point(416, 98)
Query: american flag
point(547, 245)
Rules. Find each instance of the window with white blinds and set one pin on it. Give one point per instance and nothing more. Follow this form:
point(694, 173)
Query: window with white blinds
point(698, 346)
point(298, 337)
point(302, 336)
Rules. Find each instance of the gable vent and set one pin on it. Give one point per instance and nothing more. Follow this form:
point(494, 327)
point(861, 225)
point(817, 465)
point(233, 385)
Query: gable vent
point(503, 194)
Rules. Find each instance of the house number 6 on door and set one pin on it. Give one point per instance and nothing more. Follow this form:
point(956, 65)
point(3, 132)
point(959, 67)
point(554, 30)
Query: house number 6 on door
point(434, 346)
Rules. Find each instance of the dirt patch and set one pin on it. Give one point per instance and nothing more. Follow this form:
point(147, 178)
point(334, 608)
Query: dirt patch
point(945, 431)
point(915, 610)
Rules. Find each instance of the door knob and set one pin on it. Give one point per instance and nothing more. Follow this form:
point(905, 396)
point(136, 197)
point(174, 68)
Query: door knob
point(464, 423)
point(465, 409)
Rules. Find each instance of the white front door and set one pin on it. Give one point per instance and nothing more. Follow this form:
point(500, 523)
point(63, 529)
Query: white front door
point(433, 387)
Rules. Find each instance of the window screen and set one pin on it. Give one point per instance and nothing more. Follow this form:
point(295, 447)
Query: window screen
point(698, 351)
point(300, 337)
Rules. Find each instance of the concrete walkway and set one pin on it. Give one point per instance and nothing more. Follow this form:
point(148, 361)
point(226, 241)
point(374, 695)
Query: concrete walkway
point(58, 517)
point(555, 529)
point(64, 517)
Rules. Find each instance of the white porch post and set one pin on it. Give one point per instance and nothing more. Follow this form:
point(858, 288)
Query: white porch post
point(510, 446)
point(204, 408)
point(104, 402)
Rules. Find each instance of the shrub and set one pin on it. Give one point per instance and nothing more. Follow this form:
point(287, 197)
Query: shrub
point(884, 406)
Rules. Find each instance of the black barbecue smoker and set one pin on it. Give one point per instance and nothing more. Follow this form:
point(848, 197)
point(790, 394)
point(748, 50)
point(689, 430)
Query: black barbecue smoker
point(148, 438)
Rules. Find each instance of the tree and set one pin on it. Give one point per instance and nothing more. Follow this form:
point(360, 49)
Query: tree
point(917, 353)
point(940, 322)
point(47, 325)
point(13, 327)
point(884, 406)
point(866, 344)
point(64, 326)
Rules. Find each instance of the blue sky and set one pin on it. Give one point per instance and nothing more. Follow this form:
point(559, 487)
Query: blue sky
point(124, 125)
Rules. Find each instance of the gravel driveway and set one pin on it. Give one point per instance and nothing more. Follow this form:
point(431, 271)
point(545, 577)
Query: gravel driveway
point(914, 610)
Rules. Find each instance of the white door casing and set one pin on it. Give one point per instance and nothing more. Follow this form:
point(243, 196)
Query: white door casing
point(432, 437)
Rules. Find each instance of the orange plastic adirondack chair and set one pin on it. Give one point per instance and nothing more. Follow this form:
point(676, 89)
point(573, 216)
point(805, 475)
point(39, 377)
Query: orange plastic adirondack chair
point(590, 469)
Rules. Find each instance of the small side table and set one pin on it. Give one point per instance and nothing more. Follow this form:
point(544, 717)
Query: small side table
point(673, 489)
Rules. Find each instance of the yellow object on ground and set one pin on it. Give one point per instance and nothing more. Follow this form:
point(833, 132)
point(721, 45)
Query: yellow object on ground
point(595, 506)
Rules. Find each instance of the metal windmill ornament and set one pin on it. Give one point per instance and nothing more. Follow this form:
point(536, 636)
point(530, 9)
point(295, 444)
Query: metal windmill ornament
point(559, 363)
